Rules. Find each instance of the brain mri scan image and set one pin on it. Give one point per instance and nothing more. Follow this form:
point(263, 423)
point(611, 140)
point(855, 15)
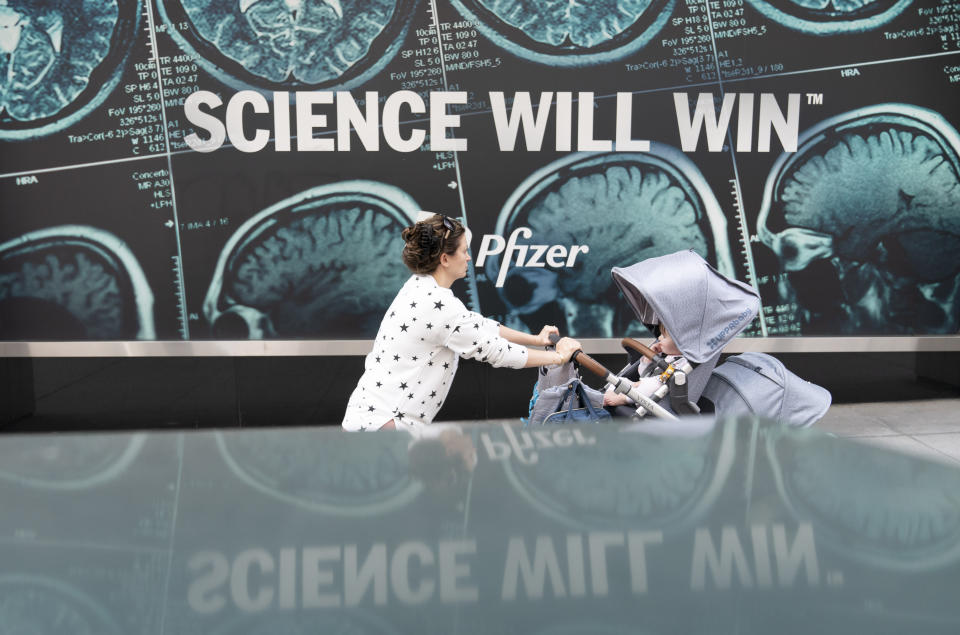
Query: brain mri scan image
point(358, 475)
point(59, 59)
point(863, 221)
point(827, 17)
point(73, 283)
point(893, 511)
point(637, 479)
point(307, 623)
point(564, 33)
point(290, 44)
point(34, 604)
point(625, 207)
point(323, 263)
point(57, 462)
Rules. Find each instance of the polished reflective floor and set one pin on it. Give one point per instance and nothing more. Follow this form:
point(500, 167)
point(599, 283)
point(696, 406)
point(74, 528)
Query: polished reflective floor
point(737, 526)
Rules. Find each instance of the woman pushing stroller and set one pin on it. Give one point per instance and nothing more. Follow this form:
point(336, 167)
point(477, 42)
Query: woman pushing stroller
point(427, 329)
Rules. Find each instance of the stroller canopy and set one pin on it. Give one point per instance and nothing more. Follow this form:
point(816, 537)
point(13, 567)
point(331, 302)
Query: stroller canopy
point(702, 308)
point(755, 383)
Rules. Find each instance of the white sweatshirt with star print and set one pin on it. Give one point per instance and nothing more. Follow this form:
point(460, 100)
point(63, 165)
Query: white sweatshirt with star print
point(410, 370)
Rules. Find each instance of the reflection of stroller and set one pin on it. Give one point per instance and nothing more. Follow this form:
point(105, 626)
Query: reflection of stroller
point(702, 310)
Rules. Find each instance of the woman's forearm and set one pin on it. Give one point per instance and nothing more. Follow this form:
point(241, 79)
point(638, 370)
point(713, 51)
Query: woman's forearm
point(518, 337)
point(537, 357)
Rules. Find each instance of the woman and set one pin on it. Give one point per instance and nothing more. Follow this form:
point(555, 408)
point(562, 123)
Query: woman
point(427, 329)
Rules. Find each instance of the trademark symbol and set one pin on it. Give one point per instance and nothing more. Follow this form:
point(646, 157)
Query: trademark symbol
point(815, 99)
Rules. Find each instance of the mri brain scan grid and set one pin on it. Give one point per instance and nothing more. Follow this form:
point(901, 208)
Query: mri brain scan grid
point(831, 188)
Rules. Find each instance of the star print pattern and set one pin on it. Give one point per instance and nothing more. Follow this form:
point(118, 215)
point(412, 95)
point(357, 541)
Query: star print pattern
point(425, 332)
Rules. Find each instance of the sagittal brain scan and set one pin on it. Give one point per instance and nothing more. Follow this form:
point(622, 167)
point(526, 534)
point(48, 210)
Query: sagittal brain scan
point(893, 510)
point(357, 476)
point(636, 479)
point(67, 463)
point(564, 33)
point(34, 604)
point(625, 207)
point(289, 44)
point(73, 283)
point(826, 17)
point(863, 220)
point(326, 261)
point(59, 59)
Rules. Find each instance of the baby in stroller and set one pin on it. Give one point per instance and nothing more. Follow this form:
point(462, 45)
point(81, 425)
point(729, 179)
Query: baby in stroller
point(695, 311)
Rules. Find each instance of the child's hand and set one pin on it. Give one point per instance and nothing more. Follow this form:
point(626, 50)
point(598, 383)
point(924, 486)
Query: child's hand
point(612, 398)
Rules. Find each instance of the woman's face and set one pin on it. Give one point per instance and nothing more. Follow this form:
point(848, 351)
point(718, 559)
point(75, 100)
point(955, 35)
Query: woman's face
point(457, 262)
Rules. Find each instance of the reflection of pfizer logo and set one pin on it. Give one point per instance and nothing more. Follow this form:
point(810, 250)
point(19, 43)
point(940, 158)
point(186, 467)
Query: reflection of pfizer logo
point(885, 509)
point(60, 462)
point(33, 604)
point(829, 17)
point(308, 623)
point(568, 33)
point(348, 475)
point(290, 44)
point(325, 261)
point(59, 59)
point(625, 207)
point(628, 478)
point(863, 220)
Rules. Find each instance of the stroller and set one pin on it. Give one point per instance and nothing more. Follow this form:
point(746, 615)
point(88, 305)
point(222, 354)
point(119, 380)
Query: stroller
point(758, 384)
point(703, 310)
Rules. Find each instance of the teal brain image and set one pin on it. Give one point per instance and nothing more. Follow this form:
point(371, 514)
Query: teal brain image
point(624, 208)
point(61, 462)
point(32, 604)
point(828, 17)
point(323, 263)
point(893, 510)
point(635, 480)
point(69, 284)
point(863, 221)
point(291, 43)
point(355, 475)
point(58, 60)
point(563, 32)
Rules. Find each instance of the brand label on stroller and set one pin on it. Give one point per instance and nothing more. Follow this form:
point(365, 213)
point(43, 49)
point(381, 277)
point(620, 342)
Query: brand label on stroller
point(555, 256)
point(526, 444)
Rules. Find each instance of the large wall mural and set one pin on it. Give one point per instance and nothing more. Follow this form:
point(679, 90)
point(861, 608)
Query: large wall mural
point(242, 169)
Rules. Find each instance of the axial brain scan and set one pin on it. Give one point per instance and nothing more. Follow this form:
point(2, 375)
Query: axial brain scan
point(291, 43)
point(625, 207)
point(826, 17)
point(640, 479)
point(894, 510)
point(863, 222)
point(561, 32)
point(72, 283)
point(323, 263)
point(58, 60)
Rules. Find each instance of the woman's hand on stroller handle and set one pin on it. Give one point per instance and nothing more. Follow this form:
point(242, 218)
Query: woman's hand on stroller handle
point(567, 348)
point(549, 335)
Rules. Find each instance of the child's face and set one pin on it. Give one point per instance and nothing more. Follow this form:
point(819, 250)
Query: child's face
point(665, 343)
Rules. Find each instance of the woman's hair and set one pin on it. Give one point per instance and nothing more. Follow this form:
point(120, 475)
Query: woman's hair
point(427, 240)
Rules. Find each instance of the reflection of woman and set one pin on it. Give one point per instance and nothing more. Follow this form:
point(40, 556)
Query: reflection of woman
point(426, 329)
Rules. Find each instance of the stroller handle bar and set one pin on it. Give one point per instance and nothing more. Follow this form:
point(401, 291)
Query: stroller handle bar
point(620, 384)
point(643, 349)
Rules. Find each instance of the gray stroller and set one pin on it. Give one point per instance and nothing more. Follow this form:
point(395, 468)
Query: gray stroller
point(701, 308)
point(703, 311)
point(758, 384)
